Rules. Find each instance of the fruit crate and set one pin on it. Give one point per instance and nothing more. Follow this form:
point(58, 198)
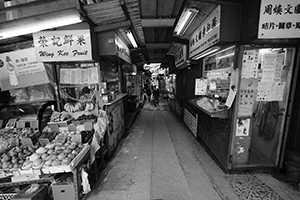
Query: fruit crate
point(7, 196)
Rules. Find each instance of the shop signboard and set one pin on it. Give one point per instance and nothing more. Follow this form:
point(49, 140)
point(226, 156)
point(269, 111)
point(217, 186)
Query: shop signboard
point(207, 34)
point(180, 56)
point(191, 121)
point(279, 19)
point(122, 50)
point(19, 69)
point(63, 45)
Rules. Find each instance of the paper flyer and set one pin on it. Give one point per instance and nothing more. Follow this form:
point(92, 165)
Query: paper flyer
point(200, 86)
point(242, 127)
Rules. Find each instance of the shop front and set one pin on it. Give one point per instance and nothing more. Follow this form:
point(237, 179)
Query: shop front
point(245, 87)
point(115, 60)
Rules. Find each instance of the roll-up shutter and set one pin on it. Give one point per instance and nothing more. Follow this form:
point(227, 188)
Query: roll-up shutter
point(179, 86)
point(191, 73)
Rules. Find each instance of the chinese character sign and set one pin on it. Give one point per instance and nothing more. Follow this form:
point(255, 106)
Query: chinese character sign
point(19, 69)
point(279, 19)
point(66, 45)
point(207, 34)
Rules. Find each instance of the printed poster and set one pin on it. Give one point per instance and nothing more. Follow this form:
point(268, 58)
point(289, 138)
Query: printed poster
point(65, 45)
point(19, 69)
point(246, 97)
point(250, 64)
point(201, 86)
point(242, 127)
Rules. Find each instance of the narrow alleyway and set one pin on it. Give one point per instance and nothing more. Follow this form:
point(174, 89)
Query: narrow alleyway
point(161, 160)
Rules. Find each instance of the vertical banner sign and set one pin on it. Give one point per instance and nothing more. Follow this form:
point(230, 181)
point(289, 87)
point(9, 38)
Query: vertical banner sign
point(66, 45)
point(122, 50)
point(180, 56)
point(207, 34)
point(279, 19)
point(19, 69)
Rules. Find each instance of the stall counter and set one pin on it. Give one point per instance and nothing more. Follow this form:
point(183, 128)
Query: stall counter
point(116, 125)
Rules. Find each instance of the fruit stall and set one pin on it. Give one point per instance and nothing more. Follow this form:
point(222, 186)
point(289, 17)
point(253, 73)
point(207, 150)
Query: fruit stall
point(53, 126)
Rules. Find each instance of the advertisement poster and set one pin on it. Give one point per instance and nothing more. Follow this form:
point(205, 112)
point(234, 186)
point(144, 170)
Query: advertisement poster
point(207, 34)
point(66, 45)
point(19, 69)
point(279, 19)
point(247, 97)
point(242, 127)
point(250, 64)
point(200, 86)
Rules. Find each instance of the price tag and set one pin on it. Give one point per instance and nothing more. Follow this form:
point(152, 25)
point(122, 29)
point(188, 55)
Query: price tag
point(1, 123)
point(72, 127)
point(14, 142)
point(34, 124)
point(44, 141)
point(20, 124)
point(76, 138)
point(53, 127)
point(16, 173)
point(26, 142)
point(61, 138)
point(88, 126)
point(11, 123)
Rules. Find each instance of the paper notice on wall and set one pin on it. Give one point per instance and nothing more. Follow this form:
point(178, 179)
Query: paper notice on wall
point(200, 86)
point(242, 127)
point(250, 64)
point(270, 91)
point(278, 67)
point(268, 66)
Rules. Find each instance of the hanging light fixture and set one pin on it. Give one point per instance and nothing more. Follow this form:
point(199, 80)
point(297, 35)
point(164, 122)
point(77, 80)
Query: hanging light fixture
point(35, 24)
point(131, 38)
point(185, 21)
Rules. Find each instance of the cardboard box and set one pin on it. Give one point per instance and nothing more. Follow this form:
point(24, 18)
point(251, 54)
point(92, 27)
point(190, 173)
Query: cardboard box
point(63, 192)
point(40, 194)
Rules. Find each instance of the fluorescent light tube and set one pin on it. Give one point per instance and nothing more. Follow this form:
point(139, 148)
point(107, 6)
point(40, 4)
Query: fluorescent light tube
point(207, 52)
point(131, 38)
point(35, 24)
point(188, 18)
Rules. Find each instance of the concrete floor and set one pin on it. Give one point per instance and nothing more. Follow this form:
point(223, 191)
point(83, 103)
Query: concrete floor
point(161, 160)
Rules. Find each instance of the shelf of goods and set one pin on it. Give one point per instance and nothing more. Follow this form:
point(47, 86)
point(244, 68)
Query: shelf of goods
point(30, 156)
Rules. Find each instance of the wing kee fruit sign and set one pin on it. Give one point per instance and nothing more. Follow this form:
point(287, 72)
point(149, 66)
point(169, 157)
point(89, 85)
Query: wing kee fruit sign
point(66, 45)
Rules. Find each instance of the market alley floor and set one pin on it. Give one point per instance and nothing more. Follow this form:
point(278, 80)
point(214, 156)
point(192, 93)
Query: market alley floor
point(161, 160)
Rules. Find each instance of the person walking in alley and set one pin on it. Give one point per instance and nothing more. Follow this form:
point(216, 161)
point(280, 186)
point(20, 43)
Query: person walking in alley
point(156, 96)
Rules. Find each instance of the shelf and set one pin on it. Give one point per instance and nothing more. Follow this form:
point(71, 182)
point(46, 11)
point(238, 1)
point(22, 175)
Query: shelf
point(31, 102)
point(77, 85)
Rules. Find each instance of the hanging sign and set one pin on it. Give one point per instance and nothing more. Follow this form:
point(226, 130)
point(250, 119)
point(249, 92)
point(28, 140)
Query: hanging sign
point(279, 19)
point(66, 45)
point(180, 56)
point(122, 50)
point(19, 69)
point(207, 34)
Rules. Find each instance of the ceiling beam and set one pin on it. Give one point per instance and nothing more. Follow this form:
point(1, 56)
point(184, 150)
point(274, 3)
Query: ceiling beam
point(113, 26)
point(168, 22)
point(157, 45)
